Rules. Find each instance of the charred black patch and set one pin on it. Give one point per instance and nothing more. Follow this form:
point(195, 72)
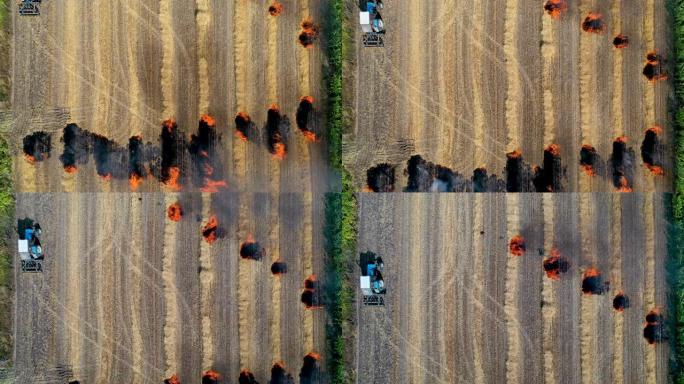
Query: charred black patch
point(312, 295)
point(244, 126)
point(590, 160)
point(206, 162)
point(304, 113)
point(111, 160)
point(172, 150)
point(594, 23)
point(136, 166)
point(279, 375)
point(549, 177)
point(246, 377)
point(278, 268)
point(424, 176)
point(518, 173)
point(308, 34)
point(482, 182)
point(37, 146)
point(652, 150)
point(310, 372)
point(252, 250)
point(655, 69)
point(623, 162)
point(77, 146)
point(620, 302)
point(654, 331)
point(593, 283)
point(381, 178)
point(621, 41)
point(555, 265)
point(277, 127)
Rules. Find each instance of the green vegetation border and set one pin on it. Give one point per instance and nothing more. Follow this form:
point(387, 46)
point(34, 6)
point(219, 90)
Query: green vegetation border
point(676, 259)
point(6, 195)
point(340, 207)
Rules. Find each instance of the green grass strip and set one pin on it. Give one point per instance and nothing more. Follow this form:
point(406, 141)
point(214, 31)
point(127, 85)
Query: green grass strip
point(340, 208)
point(676, 260)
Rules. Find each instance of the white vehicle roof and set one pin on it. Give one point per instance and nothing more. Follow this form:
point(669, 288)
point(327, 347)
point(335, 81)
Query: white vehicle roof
point(23, 246)
point(364, 18)
point(365, 282)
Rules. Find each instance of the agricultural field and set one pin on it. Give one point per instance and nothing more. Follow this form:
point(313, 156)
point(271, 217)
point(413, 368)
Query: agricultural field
point(119, 111)
point(497, 87)
point(461, 307)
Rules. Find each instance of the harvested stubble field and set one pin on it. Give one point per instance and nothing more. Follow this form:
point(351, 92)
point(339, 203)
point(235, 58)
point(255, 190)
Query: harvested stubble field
point(463, 83)
point(461, 309)
point(128, 295)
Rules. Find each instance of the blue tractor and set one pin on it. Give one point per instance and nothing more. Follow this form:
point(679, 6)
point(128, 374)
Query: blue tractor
point(29, 7)
point(371, 23)
point(29, 248)
point(372, 283)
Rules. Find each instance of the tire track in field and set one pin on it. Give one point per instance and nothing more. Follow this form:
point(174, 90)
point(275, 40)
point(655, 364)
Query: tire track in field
point(515, 350)
point(105, 327)
point(74, 284)
point(168, 42)
point(203, 20)
point(477, 89)
point(549, 293)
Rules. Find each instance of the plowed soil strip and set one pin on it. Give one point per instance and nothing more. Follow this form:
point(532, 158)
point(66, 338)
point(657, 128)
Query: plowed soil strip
point(513, 69)
point(170, 293)
point(206, 292)
point(515, 351)
point(549, 294)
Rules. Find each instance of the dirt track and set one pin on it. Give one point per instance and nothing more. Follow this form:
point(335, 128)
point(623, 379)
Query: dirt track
point(460, 309)
point(128, 295)
point(483, 78)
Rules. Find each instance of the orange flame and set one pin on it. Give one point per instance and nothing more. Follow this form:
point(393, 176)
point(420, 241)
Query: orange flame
point(655, 129)
point(30, 159)
point(314, 355)
point(310, 136)
point(656, 170)
point(172, 181)
point(106, 177)
point(591, 272)
point(274, 107)
point(208, 119)
point(211, 374)
point(212, 186)
point(173, 380)
point(309, 99)
point(70, 169)
point(134, 181)
point(514, 155)
point(209, 230)
point(588, 168)
point(275, 9)
point(517, 245)
point(169, 124)
point(367, 189)
point(279, 151)
point(621, 139)
point(553, 149)
point(241, 136)
point(553, 274)
point(555, 8)
point(594, 23)
point(174, 212)
point(624, 185)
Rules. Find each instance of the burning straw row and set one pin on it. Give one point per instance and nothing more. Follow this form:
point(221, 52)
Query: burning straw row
point(340, 211)
point(676, 266)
